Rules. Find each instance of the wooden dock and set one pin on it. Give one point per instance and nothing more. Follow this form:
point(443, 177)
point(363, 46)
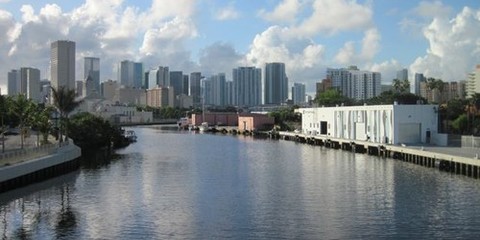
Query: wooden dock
point(466, 164)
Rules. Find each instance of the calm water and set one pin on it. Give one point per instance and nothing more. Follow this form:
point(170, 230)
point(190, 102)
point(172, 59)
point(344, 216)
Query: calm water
point(179, 185)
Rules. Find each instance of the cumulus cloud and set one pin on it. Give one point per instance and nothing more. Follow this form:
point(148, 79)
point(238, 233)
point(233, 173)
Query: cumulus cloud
point(107, 29)
point(303, 58)
point(227, 13)
point(219, 57)
point(286, 11)
point(370, 45)
point(388, 69)
point(454, 48)
point(332, 16)
point(432, 9)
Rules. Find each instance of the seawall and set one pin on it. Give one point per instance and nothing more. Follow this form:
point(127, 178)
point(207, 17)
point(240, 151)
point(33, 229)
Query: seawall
point(63, 160)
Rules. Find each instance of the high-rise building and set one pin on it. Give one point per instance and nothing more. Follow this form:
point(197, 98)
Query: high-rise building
point(247, 82)
point(355, 84)
point(214, 90)
point(31, 83)
point(276, 83)
point(419, 78)
point(195, 88)
point(473, 82)
point(402, 74)
point(160, 97)
point(229, 94)
point(14, 79)
point(62, 62)
point(298, 93)
point(324, 85)
point(186, 86)
point(159, 76)
point(91, 68)
point(108, 89)
point(130, 74)
point(176, 81)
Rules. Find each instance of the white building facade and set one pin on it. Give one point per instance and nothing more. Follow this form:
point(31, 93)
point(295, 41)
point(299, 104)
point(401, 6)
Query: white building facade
point(356, 84)
point(385, 124)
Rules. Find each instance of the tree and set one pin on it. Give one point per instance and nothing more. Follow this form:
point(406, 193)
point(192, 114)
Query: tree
point(460, 124)
point(401, 86)
point(22, 108)
point(41, 122)
point(65, 102)
point(3, 127)
point(332, 97)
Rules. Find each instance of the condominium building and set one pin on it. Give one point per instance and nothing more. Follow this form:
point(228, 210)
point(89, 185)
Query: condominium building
point(213, 90)
point(247, 82)
point(298, 93)
point(354, 83)
point(160, 97)
point(62, 62)
point(276, 83)
point(324, 85)
point(473, 82)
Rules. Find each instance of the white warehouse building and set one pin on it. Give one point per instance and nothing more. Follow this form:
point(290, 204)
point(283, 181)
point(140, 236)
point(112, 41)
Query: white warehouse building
point(386, 124)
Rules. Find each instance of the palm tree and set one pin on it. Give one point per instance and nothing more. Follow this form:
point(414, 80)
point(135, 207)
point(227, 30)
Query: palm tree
point(41, 122)
point(65, 102)
point(3, 111)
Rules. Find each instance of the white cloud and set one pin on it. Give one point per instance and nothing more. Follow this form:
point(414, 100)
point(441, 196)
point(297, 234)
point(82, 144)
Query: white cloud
point(388, 69)
point(333, 16)
point(285, 11)
point(219, 58)
point(432, 9)
point(348, 55)
point(227, 13)
point(454, 48)
point(303, 58)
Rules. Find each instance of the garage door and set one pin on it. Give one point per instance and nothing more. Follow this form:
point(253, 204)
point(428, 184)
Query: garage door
point(409, 133)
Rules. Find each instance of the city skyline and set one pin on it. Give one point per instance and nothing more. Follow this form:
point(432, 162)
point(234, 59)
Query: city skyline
point(385, 36)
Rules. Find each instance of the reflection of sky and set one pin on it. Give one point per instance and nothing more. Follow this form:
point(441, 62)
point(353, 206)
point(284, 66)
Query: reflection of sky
point(202, 186)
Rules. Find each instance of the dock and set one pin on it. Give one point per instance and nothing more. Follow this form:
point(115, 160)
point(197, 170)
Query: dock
point(449, 159)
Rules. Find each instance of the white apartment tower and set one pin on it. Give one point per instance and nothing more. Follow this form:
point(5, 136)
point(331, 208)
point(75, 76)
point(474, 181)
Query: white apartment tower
point(62, 64)
point(355, 84)
point(247, 83)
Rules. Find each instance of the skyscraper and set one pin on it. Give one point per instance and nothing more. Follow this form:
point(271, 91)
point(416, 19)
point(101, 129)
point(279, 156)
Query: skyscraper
point(214, 89)
point(247, 83)
point(298, 93)
point(419, 78)
point(130, 74)
point(195, 88)
point(402, 74)
point(159, 76)
point(91, 68)
point(14, 79)
point(62, 64)
point(276, 83)
point(30, 81)
point(176, 81)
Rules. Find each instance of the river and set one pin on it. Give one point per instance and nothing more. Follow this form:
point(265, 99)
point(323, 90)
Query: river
point(180, 185)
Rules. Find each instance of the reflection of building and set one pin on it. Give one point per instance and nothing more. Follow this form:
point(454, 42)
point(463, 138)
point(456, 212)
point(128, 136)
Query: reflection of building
point(390, 124)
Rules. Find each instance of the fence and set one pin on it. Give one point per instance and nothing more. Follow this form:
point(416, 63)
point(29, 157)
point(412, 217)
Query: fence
point(21, 155)
point(470, 142)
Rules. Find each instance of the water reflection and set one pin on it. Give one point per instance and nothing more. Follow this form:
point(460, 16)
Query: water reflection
point(173, 184)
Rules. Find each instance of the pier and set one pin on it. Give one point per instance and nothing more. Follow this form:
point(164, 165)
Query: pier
point(449, 159)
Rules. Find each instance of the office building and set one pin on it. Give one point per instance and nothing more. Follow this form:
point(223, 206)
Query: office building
point(195, 88)
point(419, 78)
point(62, 60)
point(91, 68)
point(176, 81)
point(276, 83)
point(159, 76)
point(130, 74)
point(14, 79)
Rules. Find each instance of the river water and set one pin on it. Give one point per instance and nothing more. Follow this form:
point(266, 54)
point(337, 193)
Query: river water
point(181, 185)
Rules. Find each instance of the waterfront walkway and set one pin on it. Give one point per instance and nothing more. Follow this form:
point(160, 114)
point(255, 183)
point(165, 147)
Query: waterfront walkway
point(12, 153)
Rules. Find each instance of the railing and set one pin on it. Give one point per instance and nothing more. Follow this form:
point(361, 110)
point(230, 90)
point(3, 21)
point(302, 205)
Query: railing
point(21, 155)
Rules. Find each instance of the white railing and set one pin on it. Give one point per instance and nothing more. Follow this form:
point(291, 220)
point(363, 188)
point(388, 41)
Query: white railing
point(21, 155)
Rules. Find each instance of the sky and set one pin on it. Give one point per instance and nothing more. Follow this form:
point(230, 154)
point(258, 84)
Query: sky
point(438, 38)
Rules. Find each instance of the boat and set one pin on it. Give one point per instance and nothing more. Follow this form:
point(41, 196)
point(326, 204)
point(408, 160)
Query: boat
point(203, 127)
point(183, 123)
point(130, 136)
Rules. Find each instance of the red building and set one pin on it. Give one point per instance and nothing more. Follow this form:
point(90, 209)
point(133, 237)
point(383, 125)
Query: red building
point(252, 122)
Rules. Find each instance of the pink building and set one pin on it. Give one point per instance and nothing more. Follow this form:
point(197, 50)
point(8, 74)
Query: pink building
point(252, 122)
point(224, 119)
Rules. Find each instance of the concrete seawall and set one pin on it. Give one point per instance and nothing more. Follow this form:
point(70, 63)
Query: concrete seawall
point(64, 159)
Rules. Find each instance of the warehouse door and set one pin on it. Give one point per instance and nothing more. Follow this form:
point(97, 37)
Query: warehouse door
point(409, 133)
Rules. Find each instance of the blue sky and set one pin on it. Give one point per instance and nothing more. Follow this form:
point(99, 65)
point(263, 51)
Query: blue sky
point(437, 38)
